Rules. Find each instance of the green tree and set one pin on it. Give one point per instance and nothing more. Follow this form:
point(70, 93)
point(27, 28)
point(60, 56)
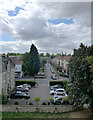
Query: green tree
point(31, 60)
point(80, 75)
point(41, 54)
point(47, 54)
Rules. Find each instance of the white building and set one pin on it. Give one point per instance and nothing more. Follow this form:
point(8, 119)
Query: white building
point(18, 66)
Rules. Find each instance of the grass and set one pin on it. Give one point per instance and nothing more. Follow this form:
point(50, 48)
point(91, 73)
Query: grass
point(33, 115)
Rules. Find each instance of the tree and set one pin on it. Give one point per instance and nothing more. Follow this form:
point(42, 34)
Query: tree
point(80, 75)
point(47, 54)
point(41, 54)
point(31, 60)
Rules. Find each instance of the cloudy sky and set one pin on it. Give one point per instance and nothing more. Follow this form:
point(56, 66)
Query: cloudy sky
point(52, 26)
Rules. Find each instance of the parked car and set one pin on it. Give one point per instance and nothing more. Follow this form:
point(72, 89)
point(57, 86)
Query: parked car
point(60, 100)
point(62, 95)
point(20, 95)
point(59, 91)
point(54, 77)
point(27, 85)
point(24, 87)
point(55, 86)
point(53, 89)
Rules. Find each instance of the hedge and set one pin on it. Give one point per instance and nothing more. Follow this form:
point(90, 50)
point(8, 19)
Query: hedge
point(21, 82)
point(63, 75)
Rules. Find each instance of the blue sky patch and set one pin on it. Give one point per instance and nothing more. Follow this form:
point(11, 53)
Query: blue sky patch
point(58, 21)
point(15, 12)
point(6, 37)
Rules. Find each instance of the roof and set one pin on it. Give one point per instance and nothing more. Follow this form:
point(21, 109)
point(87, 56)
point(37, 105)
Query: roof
point(5, 61)
point(16, 60)
point(66, 58)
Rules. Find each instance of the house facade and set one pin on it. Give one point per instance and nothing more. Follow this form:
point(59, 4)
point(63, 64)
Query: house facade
point(8, 75)
point(18, 66)
point(62, 61)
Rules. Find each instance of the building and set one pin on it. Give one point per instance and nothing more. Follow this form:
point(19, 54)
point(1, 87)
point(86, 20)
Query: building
point(8, 75)
point(64, 61)
point(18, 66)
point(61, 61)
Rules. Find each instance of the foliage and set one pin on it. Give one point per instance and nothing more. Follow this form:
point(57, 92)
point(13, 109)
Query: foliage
point(80, 75)
point(14, 54)
point(31, 61)
point(37, 99)
point(43, 62)
point(51, 99)
point(57, 103)
point(65, 99)
point(4, 99)
point(44, 103)
point(30, 103)
point(63, 75)
point(21, 82)
point(16, 103)
point(47, 54)
point(41, 54)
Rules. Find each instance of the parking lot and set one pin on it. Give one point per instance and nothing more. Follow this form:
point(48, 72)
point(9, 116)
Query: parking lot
point(42, 91)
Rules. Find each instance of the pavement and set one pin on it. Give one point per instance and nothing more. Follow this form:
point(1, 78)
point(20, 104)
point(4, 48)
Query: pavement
point(41, 91)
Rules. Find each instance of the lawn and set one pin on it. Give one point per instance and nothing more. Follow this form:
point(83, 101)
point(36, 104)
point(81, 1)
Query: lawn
point(33, 115)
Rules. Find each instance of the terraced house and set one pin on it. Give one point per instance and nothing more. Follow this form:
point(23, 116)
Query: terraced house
point(62, 61)
point(8, 75)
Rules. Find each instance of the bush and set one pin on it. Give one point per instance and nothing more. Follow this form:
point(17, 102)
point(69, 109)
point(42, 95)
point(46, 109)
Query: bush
point(21, 82)
point(37, 98)
point(51, 99)
point(65, 99)
point(63, 75)
point(4, 99)
point(57, 103)
point(44, 103)
point(16, 103)
point(30, 103)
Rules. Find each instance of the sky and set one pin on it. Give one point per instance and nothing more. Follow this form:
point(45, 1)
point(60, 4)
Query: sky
point(52, 26)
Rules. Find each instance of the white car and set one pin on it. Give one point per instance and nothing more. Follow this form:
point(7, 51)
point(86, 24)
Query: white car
point(27, 85)
point(59, 98)
point(59, 91)
point(21, 86)
point(62, 95)
point(53, 89)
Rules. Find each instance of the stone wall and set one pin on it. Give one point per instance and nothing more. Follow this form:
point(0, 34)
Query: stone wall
point(42, 108)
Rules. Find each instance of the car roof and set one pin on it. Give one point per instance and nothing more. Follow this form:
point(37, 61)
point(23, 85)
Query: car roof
point(60, 89)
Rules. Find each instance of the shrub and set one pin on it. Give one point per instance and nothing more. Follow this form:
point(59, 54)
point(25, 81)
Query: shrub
point(4, 99)
point(63, 75)
point(30, 103)
point(65, 99)
point(21, 82)
point(44, 103)
point(57, 103)
point(37, 98)
point(51, 99)
point(16, 103)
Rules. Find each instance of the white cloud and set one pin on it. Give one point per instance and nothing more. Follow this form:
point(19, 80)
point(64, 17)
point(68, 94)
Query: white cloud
point(30, 26)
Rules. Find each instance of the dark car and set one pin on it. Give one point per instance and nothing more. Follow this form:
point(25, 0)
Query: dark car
point(20, 95)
